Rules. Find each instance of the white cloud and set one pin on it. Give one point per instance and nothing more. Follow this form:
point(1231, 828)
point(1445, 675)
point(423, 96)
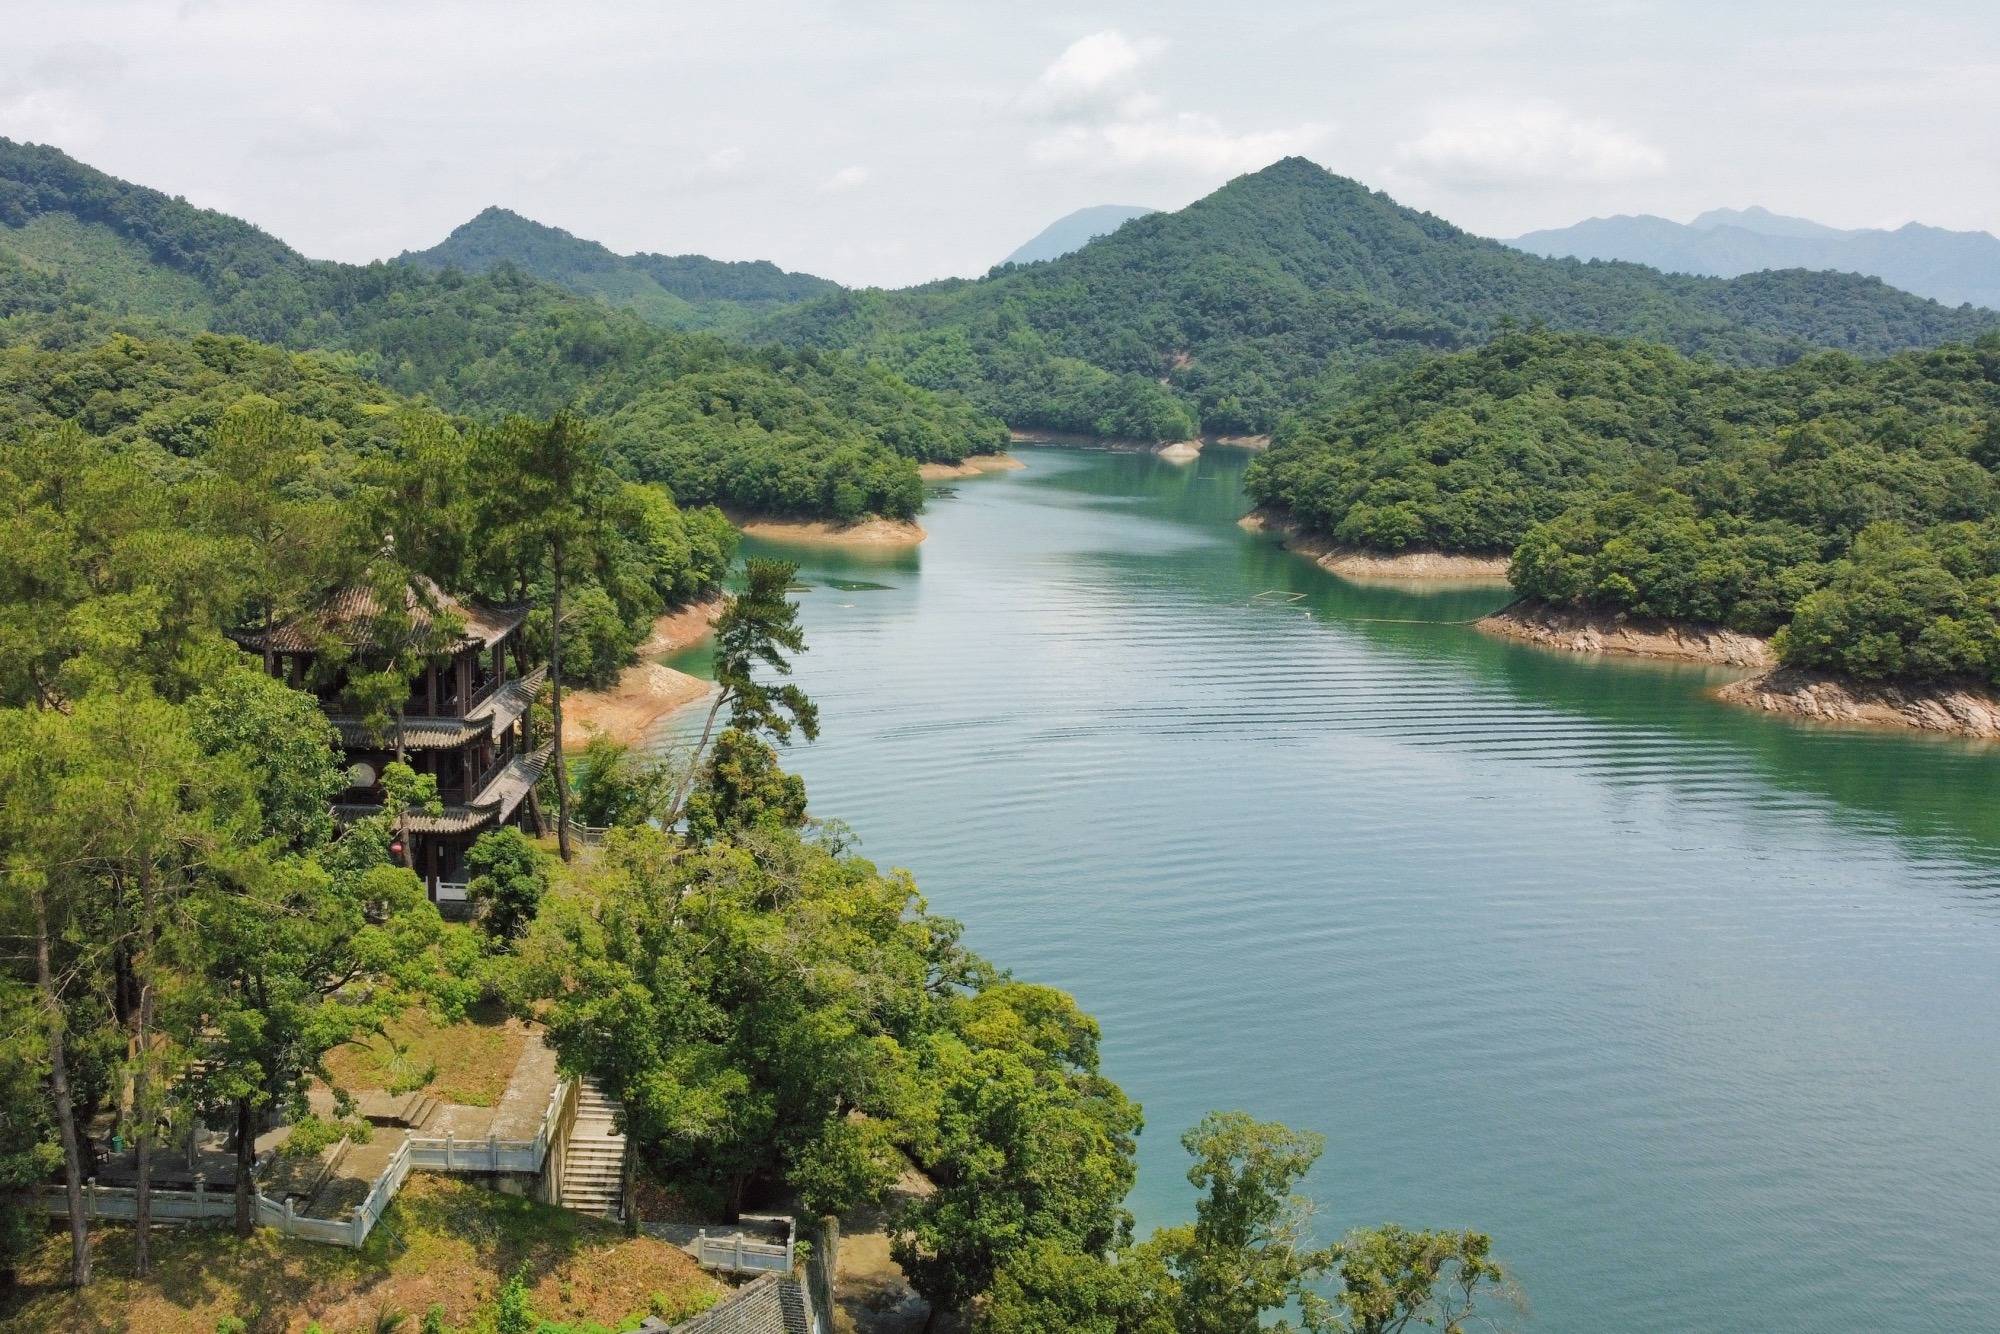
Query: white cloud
point(726, 159)
point(1103, 114)
point(1186, 139)
point(1507, 144)
point(847, 178)
point(49, 116)
point(314, 132)
point(1093, 75)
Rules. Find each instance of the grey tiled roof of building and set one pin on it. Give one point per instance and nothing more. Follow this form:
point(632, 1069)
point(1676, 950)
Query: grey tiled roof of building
point(773, 1304)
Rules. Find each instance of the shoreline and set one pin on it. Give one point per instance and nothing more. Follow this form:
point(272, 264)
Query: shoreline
point(1627, 636)
point(643, 694)
point(1951, 710)
point(648, 690)
point(1353, 563)
point(874, 531)
point(684, 628)
point(1961, 710)
point(972, 465)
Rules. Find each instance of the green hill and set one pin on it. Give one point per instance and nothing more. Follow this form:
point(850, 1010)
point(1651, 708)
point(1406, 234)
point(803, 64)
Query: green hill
point(763, 429)
point(1850, 507)
point(676, 291)
point(1291, 280)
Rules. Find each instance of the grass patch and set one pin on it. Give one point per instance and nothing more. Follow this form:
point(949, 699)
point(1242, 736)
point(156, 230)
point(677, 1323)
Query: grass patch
point(467, 1062)
point(443, 1242)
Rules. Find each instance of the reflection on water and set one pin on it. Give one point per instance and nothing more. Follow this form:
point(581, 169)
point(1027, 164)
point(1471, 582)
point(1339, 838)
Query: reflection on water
point(1692, 1007)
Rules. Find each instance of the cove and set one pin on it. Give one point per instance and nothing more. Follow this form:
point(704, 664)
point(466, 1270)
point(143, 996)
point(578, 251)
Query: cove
point(1693, 1009)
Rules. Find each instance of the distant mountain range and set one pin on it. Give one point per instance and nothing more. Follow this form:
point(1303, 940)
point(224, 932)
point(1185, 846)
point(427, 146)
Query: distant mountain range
point(1291, 281)
point(677, 291)
point(1951, 267)
point(1073, 231)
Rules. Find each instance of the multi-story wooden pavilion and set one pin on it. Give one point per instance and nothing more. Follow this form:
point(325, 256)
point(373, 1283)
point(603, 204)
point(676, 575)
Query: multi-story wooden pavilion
point(466, 721)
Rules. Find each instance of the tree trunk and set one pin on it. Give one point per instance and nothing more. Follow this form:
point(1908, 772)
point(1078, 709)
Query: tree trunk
point(142, 1107)
point(246, 1160)
point(626, 1182)
point(684, 789)
point(555, 695)
point(79, 1227)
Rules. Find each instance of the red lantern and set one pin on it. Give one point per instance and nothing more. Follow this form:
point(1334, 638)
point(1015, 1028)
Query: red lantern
point(396, 848)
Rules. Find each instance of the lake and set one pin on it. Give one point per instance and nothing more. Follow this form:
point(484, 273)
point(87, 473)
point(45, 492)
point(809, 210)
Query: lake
point(1693, 1009)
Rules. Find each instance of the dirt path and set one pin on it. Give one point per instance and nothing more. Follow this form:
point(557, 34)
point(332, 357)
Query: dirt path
point(871, 1294)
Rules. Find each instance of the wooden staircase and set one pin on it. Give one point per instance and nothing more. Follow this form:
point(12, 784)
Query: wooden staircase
point(593, 1170)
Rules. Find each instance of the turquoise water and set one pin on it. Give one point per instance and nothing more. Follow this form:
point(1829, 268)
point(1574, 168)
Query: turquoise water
point(1693, 1009)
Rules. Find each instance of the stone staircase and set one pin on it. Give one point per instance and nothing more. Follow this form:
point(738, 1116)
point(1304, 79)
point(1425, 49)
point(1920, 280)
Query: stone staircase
point(594, 1164)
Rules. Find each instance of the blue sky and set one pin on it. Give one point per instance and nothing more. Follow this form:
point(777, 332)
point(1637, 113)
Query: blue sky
point(891, 142)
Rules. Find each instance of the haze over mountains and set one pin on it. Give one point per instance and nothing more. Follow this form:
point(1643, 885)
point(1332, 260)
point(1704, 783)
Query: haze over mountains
point(1946, 266)
point(1073, 231)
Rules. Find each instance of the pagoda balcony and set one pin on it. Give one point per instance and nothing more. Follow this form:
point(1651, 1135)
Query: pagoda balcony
point(499, 793)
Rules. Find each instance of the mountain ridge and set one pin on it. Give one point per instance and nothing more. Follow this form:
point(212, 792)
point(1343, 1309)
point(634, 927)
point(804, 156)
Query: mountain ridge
point(1951, 267)
point(1291, 280)
point(679, 291)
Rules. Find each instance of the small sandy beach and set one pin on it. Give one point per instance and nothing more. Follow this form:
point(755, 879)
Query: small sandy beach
point(875, 532)
point(644, 694)
point(971, 466)
point(646, 691)
point(1362, 566)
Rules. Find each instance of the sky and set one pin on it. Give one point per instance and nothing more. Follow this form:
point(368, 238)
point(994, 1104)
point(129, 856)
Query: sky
point(889, 143)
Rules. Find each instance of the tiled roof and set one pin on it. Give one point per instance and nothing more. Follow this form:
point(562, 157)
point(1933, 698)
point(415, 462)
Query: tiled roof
point(418, 733)
point(773, 1304)
point(491, 716)
point(499, 799)
point(344, 615)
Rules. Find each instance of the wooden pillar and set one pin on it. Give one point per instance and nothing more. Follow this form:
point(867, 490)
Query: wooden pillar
point(431, 690)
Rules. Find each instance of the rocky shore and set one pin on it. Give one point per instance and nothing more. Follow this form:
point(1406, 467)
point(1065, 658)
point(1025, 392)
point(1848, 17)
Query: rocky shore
point(1960, 710)
point(1636, 637)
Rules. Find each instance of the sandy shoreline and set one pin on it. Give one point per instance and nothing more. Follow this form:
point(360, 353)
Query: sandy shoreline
point(871, 532)
point(644, 693)
point(681, 629)
point(1627, 636)
point(1364, 565)
point(971, 466)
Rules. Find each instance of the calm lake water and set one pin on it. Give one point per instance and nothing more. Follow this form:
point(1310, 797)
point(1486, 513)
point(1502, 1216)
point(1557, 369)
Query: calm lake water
point(1694, 1010)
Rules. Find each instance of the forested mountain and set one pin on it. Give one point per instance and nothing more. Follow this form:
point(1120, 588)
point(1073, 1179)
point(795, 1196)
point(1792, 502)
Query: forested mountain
point(767, 430)
point(677, 291)
point(1286, 281)
point(1951, 267)
point(1073, 231)
point(1851, 507)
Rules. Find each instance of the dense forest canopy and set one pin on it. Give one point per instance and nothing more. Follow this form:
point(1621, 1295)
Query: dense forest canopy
point(1245, 304)
point(677, 291)
point(1850, 507)
point(773, 430)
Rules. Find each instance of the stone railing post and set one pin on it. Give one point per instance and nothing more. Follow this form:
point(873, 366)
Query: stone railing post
point(201, 1194)
point(447, 1150)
